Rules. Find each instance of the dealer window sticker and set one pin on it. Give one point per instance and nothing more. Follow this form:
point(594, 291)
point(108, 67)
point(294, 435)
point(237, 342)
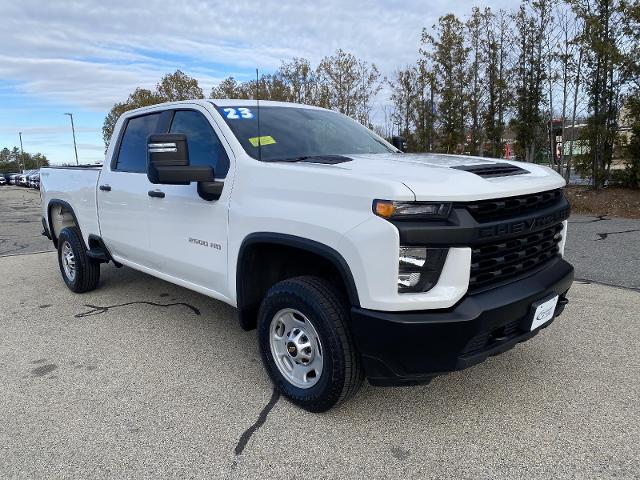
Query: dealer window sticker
point(262, 141)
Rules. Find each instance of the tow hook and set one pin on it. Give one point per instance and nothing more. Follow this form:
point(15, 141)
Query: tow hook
point(562, 302)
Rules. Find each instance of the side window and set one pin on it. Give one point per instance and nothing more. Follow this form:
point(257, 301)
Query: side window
point(204, 145)
point(132, 156)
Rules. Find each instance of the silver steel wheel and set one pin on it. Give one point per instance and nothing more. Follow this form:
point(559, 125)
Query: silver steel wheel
point(68, 261)
point(296, 348)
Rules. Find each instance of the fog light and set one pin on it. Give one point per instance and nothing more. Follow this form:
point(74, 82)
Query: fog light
point(419, 268)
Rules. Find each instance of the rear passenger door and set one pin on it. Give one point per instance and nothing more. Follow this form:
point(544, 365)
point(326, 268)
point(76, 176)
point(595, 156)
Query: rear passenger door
point(188, 235)
point(123, 200)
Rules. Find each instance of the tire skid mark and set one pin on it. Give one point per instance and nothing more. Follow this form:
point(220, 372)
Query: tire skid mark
point(97, 310)
point(262, 417)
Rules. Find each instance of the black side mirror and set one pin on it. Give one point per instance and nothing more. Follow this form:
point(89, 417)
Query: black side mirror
point(400, 143)
point(168, 162)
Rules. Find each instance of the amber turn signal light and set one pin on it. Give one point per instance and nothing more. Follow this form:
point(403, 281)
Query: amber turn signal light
point(384, 208)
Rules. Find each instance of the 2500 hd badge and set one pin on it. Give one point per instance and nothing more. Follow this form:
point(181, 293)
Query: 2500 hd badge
point(204, 243)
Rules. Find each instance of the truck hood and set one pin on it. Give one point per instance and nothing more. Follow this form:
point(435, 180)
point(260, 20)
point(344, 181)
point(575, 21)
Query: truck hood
point(433, 176)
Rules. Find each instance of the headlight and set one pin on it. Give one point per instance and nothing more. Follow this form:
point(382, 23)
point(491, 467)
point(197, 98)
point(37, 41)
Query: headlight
point(419, 268)
point(411, 210)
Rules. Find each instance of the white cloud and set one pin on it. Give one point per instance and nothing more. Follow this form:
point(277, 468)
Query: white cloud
point(88, 53)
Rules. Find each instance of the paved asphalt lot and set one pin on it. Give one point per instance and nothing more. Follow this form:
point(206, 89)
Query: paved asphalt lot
point(144, 379)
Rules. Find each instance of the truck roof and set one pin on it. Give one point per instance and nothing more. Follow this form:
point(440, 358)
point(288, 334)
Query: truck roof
point(226, 102)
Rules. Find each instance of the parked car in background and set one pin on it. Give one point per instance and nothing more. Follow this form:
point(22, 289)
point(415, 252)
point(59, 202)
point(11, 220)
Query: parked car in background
point(13, 178)
point(23, 179)
point(34, 180)
point(3, 181)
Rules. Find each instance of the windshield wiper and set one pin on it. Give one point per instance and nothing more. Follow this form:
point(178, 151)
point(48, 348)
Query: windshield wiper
point(324, 159)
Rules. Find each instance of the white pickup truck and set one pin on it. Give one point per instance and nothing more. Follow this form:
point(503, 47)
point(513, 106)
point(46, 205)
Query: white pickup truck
point(352, 258)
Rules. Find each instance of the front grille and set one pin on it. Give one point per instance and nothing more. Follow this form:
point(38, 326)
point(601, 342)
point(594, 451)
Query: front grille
point(494, 262)
point(489, 210)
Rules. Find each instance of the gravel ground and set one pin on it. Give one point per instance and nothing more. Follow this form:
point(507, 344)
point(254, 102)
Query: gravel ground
point(144, 379)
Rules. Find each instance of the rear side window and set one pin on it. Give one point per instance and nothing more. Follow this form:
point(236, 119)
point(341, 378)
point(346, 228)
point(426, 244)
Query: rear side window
point(133, 148)
point(205, 148)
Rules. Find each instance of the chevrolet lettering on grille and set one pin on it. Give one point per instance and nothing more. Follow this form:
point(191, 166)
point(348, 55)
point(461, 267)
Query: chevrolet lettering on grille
point(523, 226)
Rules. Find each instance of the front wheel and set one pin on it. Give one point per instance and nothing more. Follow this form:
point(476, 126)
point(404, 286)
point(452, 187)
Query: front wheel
point(79, 272)
point(305, 343)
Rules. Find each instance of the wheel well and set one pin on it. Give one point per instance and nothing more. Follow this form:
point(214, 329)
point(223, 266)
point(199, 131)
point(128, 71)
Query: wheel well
point(61, 215)
point(263, 264)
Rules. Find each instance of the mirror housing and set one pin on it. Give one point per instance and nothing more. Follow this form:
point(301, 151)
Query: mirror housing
point(399, 142)
point(168, 161)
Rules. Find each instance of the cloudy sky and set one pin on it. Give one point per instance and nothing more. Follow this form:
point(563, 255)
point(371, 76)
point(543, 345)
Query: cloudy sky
point(82, 57)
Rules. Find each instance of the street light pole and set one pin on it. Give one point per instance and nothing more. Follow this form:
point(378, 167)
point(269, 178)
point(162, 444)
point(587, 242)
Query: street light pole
point(21, 152)
point(73, 130)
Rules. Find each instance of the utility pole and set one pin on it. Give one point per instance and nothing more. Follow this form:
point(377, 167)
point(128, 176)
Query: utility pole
point(73, 130)
point(21, 152)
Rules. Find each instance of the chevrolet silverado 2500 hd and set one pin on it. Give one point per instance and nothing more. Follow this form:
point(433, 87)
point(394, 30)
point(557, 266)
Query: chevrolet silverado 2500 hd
point(351, 258)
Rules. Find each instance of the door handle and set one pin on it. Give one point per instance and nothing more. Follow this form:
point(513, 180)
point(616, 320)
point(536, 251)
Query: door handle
point(105, 188)
point(156, 193)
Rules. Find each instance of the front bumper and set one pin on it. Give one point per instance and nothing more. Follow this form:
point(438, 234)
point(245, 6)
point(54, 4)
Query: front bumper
point(413, 347)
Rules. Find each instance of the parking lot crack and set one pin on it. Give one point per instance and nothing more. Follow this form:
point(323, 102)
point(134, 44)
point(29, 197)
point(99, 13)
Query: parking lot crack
point(96, 310)
point(262, 417)
point(603, 236)
point(599, 218)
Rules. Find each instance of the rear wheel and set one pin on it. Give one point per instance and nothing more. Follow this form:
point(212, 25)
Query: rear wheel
point(79, 272)
point(305, 343)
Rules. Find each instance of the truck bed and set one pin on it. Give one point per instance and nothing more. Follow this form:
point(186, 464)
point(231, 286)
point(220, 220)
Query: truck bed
point(77, 187)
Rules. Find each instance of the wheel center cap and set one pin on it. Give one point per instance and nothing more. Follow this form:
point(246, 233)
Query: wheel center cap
point(291, 348)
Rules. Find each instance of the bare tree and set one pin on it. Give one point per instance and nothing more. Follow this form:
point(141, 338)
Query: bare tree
point(338, 76)
point(300, 79)
point(403, 95)
point(369, 85)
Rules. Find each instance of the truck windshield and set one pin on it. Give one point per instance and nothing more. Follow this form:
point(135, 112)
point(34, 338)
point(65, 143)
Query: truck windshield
point(290, 133)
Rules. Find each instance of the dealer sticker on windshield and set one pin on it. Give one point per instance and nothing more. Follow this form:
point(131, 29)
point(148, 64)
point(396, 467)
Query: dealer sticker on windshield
point(543, 312)
point(262, 141)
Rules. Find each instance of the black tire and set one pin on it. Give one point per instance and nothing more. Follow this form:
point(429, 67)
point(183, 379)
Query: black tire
point(326, 308)
point(87, 270)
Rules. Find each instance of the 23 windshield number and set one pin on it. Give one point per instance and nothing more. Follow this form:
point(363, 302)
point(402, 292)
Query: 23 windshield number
point(237, 113)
